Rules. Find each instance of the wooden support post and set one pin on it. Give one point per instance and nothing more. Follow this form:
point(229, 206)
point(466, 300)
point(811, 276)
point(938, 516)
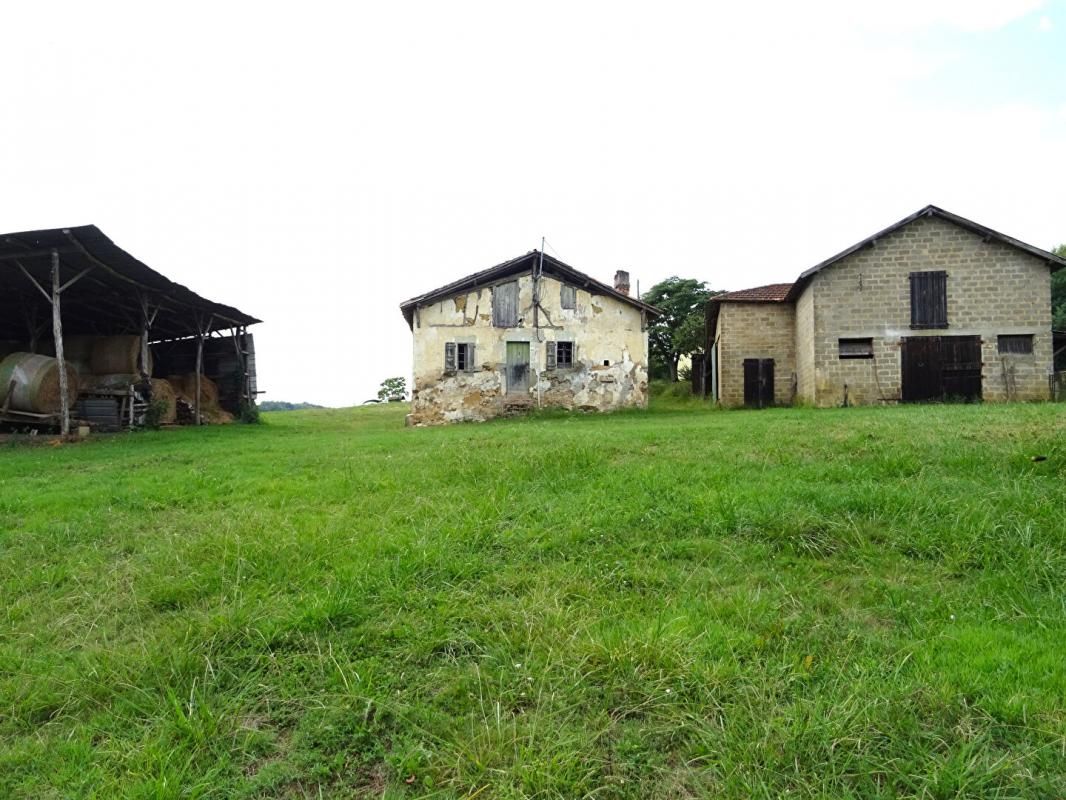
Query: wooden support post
point(57, 333)
point(199, 367)
point(238, 345)
point(147, 318)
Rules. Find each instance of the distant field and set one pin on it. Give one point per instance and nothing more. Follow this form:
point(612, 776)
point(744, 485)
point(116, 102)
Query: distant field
point(666, 604)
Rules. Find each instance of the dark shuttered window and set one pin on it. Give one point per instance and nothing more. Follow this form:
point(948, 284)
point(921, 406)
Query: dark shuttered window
point(505, 305)
point(856, 348)
point(1018, 344)
point(567, 296)
point(929, 299)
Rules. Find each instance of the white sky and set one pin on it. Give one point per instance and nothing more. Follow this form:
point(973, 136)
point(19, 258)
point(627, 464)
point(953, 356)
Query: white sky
point(315, 164)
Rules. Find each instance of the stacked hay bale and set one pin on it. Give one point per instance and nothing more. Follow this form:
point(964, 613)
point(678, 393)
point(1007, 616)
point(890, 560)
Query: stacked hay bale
point(210, 411)
point(105, 365)
point(114, 355)
point(163, 393)
point(30, 383)
point(78, 352)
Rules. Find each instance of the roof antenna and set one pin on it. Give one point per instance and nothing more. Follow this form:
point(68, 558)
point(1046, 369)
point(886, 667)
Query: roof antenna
point(540, 268)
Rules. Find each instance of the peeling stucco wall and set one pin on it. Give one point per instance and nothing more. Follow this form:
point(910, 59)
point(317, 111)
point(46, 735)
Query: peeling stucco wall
point(610, 368)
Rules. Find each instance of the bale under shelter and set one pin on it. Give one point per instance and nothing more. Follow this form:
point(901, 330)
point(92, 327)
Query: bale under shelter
point(31, 383)
point(115, 354)
point(73, 296)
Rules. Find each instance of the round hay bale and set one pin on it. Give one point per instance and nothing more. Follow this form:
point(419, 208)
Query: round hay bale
point(36, 383)
point(163, 392)
point(118, 354)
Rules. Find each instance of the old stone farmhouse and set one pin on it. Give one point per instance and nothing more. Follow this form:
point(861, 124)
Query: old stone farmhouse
point(932, 307)
point(530, 332)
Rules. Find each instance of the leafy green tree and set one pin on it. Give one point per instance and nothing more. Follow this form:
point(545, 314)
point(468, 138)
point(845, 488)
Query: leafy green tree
point(393, 389)
point(1058, 293)
point(681, 328)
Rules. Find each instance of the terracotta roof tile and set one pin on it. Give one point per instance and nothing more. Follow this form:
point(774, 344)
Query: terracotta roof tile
point(771, 293)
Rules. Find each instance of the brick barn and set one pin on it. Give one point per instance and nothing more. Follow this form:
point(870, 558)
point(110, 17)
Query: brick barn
point(934, 307)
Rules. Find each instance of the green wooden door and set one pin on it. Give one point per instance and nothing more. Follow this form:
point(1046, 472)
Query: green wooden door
point(517, 367)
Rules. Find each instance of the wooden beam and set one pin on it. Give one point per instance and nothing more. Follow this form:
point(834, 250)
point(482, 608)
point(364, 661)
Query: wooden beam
point(77, 277)
point(57, 334)
point(34, 281)
point(36, 253)
point(200, 362)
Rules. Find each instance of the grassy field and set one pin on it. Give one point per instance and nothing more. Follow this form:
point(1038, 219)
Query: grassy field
point(664, 604)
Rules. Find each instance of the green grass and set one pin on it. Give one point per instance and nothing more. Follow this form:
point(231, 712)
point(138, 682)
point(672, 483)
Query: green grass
point(665, 604)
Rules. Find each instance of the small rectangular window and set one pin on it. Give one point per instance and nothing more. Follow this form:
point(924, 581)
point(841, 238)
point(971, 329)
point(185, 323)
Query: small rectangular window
point(564, 354)
point(568, 296)
point(558, 355)
point(856, 348)
point(459, 357)
point(1019, 344)
point(929, 299)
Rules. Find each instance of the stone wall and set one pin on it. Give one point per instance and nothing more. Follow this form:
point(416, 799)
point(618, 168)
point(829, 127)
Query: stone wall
point(992, 289)
point(755, 330)
point(610, 360)
point(804, 332)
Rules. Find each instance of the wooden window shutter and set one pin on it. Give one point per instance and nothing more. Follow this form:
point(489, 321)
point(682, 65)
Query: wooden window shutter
point(471, 356)
point(449, 356)
point(505, 305)
point(929, 299)
point(549, 355)
point(567, 296)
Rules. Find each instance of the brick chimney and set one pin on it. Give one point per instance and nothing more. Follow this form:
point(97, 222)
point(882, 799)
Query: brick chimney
point(621, 281)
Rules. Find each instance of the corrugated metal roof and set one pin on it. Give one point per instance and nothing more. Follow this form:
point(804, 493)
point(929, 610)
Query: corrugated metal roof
point(106, 299)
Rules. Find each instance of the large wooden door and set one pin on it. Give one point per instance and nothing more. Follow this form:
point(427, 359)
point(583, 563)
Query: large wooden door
point(517, 367)
point(941, 368)
point(920, 366)
point(758, 382)
point(960, 362)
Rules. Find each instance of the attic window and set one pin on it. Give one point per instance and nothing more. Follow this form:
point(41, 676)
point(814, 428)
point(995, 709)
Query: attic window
point(1018, 344)
point(567, 296)
point(505, 305)
point(559, 355)
point(929, 299)
point(856, 348)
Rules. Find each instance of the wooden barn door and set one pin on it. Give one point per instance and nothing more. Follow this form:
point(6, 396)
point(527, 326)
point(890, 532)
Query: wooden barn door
point(941, 368)
point(758, 382)
point(960, 360)
point(517, 367)
point(921, 369)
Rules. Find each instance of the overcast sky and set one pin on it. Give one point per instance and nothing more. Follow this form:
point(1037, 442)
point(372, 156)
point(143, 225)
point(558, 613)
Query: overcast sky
point(316, 164)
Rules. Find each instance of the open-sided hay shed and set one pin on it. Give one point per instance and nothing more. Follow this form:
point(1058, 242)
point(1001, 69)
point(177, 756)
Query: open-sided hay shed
point(72, 294)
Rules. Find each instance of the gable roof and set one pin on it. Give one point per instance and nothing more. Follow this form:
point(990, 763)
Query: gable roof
point(1053, 260)
point(771, 293)
point(523, 263)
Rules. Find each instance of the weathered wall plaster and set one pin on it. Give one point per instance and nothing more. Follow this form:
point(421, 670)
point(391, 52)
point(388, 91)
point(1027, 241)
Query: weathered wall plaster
point(610, 368)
